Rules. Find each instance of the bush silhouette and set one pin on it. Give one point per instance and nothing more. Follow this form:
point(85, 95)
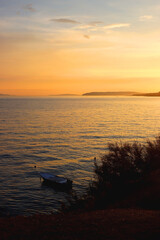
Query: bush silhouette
point(124, 169)
point(126, 176)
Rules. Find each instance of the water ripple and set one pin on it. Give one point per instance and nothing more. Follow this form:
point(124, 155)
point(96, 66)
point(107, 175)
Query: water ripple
point(62, 136)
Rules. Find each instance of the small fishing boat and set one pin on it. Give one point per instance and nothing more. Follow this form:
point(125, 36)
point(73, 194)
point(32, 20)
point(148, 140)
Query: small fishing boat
point(56, 180)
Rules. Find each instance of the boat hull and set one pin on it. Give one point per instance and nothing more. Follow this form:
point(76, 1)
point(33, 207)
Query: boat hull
point(56, 181)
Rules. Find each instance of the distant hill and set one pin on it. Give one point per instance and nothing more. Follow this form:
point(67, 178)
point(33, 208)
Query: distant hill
point(148, 94)
point(4, 95)
point(65, 95)
point(110, 94)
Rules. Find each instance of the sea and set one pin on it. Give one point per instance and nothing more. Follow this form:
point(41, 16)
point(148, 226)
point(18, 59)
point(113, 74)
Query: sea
point(63, 135)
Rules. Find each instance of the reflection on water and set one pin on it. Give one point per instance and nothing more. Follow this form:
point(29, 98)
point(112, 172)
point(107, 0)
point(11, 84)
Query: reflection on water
point(63, 135)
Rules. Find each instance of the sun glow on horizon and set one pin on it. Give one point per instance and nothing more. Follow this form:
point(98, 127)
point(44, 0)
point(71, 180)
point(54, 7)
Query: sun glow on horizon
point(71, 52)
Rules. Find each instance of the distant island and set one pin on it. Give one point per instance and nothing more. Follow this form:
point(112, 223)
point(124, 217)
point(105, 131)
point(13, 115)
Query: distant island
point(122, 94)
point(148, 94)
point(4, 95)
point(110, 94)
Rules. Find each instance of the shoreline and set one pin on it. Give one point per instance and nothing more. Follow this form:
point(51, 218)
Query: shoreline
point(99, 224)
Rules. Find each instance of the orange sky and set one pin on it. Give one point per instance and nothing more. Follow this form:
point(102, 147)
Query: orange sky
point(43, 54)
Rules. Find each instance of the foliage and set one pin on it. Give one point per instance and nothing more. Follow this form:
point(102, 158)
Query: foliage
point(124, 169)
point(126, 173)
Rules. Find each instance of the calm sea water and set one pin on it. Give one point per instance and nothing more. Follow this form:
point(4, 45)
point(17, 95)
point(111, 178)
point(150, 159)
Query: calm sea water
point(62, 136)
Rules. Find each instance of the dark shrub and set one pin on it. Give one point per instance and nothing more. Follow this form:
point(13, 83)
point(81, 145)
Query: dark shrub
point(123, 162)
point(127, 176)
point(123, 170)
point(153, 154)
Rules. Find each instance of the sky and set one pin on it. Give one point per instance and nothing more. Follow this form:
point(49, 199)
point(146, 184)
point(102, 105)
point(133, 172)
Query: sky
point(70, 46)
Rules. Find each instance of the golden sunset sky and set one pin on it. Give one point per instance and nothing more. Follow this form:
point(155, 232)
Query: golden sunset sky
point(69, 46)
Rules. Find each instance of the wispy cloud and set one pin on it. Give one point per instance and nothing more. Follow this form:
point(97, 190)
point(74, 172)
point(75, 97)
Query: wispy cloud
point(4, 24)
point(146, 18)
point(95, 23)
point(29, 7)
point(84, 26)
point(18, 37)
point(65, 20)
point(86, 36)
point(91, 25)
point(117, 25)
point(18, 40)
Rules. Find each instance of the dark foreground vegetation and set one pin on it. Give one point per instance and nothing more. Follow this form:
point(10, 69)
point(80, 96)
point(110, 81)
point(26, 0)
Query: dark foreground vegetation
point(110, 224)
point(122, 202)
point(128, 175)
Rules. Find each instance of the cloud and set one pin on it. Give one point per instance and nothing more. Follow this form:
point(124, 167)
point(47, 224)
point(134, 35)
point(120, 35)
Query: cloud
point(86, 36)
point(29, 7)
point(84, 27)
point(117, 25)
point(94, 27)
point(65, 20)
point(4, 24)
point(95, 23)
point(146, 18)
point(91, 25)
point(17, 40)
